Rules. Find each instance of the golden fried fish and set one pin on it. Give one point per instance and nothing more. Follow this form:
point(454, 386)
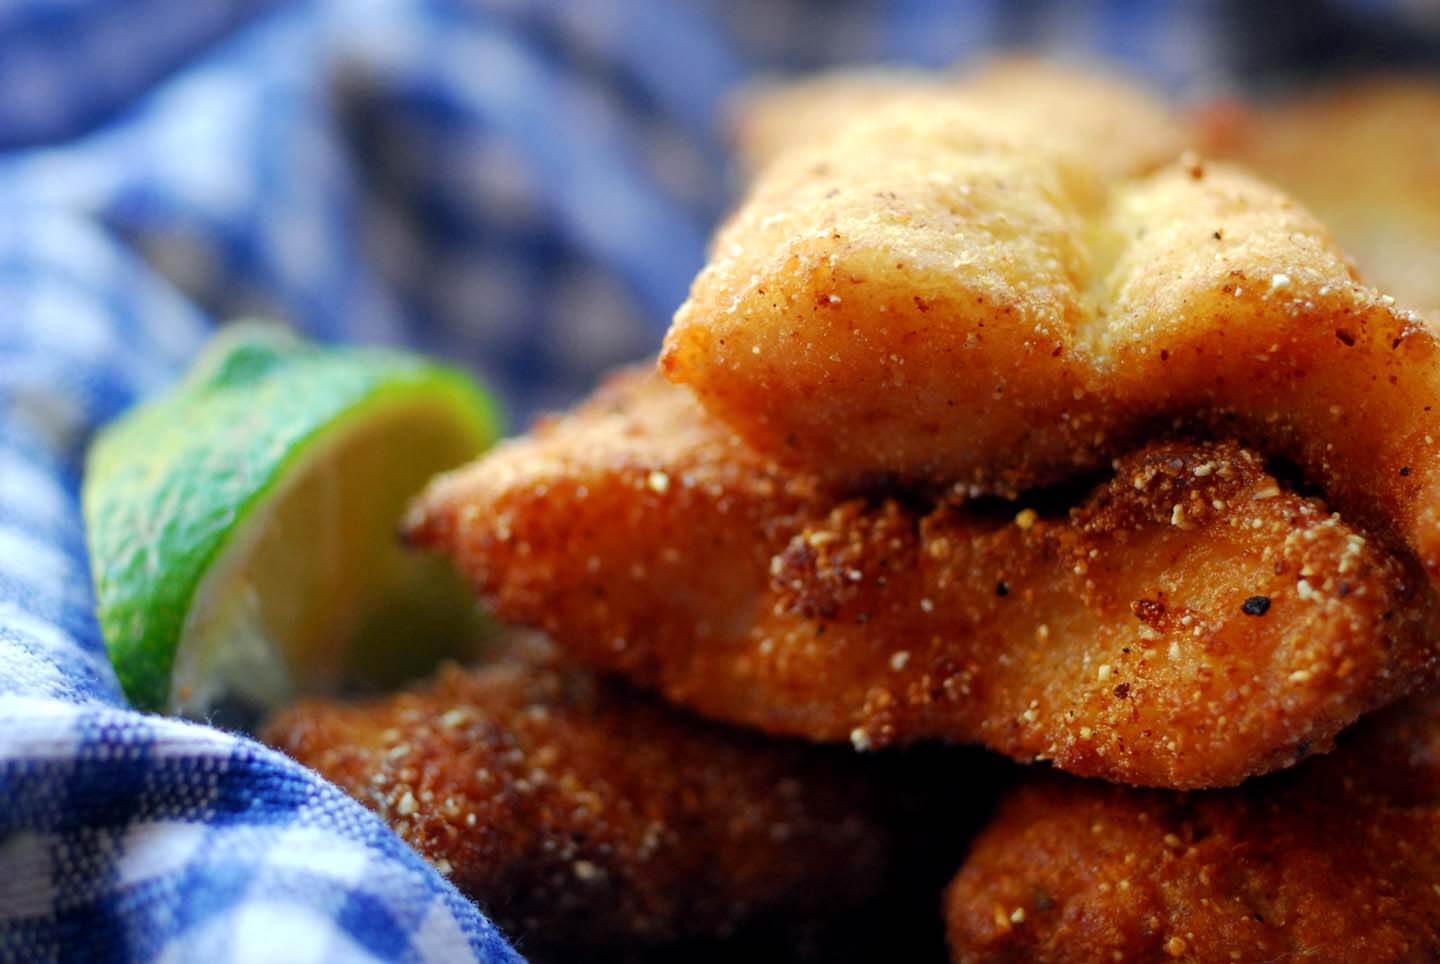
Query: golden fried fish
point(1192, 622)
point(1336, 860)
point(581, 814)
point(1364, 157)
point(950, 295)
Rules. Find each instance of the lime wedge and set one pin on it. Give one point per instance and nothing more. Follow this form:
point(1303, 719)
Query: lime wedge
point(242, 527)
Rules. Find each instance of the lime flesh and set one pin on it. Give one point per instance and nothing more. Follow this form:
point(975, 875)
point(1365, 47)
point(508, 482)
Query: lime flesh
point(313, 592)
point(242, 527)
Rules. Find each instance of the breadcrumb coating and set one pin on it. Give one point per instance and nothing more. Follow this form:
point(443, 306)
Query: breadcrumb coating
point(950, 293)
point(579, 813)
point(1191, 622)
point(1365, 157)
point(1335, 860)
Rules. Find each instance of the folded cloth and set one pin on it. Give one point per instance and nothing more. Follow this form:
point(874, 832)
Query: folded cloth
point(125, 836)
point(524, 187)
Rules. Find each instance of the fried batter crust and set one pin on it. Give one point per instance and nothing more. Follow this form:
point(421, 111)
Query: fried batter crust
point(1089, 106)
point(952, 294)
point(648, 540)
point(1336, 860)
point(580, 813)
point(1365, 157)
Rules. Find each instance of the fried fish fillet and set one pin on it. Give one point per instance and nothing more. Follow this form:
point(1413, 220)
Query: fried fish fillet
point(1335, 860)
point(579, 813)
point(1191, 623)
point(950, 295)
point(1366, 159)
point(934, 799)
point(1090, 107)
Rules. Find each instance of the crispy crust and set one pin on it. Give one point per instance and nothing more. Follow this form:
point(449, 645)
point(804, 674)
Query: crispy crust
point(1336, 860)
point(579, 813)
point(1366, 159)
point(950, 294)
point(648, 540)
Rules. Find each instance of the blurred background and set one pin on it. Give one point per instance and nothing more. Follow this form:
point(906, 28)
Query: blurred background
point(521, 185)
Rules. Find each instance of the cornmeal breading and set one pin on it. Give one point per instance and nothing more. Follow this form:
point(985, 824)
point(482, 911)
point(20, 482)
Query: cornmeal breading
point(946, 295)
point(1334, 861)
point(1192, 622)
point(1365, 158)
point(994, 419)
point(581, 814)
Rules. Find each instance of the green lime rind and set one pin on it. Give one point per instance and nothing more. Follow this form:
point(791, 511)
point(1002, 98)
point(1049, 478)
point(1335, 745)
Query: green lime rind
point(170, 482)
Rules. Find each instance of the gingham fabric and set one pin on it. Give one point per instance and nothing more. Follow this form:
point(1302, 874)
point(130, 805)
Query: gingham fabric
point(524, 187)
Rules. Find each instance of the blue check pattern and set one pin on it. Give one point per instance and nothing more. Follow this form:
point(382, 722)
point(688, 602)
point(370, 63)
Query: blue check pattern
point(522, 186)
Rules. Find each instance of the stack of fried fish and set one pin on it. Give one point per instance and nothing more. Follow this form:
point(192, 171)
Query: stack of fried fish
point(1001, 416)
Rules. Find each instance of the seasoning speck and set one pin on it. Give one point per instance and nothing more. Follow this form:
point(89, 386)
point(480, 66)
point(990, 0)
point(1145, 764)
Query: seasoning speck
point(1256, 606)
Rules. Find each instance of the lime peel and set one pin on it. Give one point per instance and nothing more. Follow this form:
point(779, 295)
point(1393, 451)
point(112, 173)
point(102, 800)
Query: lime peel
point(241, 526)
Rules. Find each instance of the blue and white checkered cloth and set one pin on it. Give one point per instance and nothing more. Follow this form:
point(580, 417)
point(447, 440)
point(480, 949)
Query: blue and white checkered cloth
point(523, 186)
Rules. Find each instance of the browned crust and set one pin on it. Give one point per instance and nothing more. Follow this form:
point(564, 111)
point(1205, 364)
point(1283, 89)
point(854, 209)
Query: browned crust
point(648, 540)
point(1365, 157)
point(1336, 860)
point(580, 814)
point(953, 293)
